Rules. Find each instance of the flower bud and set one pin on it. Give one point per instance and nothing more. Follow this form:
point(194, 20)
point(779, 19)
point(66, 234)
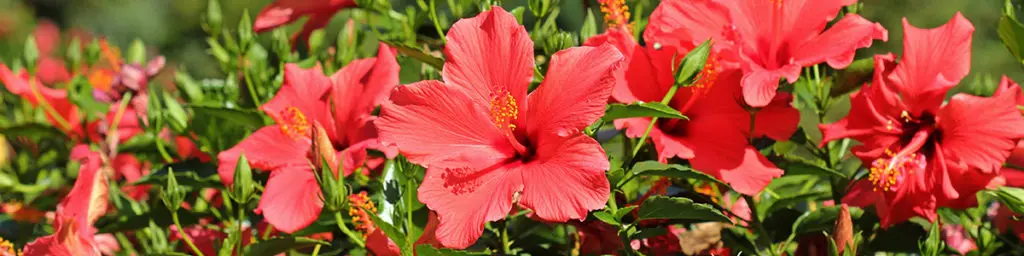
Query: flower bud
point(328, 174)
point(693, 63)
point(842, 233)
point(242, 187)
point(172, 193)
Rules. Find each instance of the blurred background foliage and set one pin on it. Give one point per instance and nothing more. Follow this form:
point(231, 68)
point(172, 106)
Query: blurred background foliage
point(172, 27)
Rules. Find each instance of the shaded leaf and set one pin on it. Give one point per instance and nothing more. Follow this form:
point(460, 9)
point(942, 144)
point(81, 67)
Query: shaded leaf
point(655, 168)
point(795, 167)
point(660, 207)
point(246, 117)
point(1012, 198)
point(277, 245)
point(640, 109)
point(189, 173)
point(821, 219)
point(31, 130)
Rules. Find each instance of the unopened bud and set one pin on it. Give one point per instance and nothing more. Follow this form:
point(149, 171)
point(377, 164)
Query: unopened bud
point(693, 63)
point(172, 193)
point(242, 187)
point(333, 192)
point(842, 233)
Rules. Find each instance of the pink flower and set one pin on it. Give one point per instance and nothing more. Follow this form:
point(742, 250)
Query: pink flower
point(921, 153)
point(769, 40)
point(290, 201)
point(957, 239)
point(488, 145)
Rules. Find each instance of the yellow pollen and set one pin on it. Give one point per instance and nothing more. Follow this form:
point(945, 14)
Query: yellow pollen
point(360, 207)
point(504, 109)
point(616, 14)
point(906, 116)
point(707, 76)
point(7, 248)
point(889, 173)
point(294, 123)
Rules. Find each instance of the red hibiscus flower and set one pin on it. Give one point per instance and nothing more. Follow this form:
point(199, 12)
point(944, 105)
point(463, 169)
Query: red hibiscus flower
point(76, 214)
point(282, 12)
point(769, 40)
point(912, 142)
point(360, 207)
point(488, 145)
point(716, 137)
point(290, 201)
point(59, 110)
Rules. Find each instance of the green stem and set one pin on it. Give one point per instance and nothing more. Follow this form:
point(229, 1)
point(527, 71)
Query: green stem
point(125, 243)
point(238, 224)
point(506, 247)
point(437, 23)
point(411, 186)
point(181, 231)
point(763, 241)
point(665, 100)
point(163, 152)
point(316, 250)
point(252, 90)
point(344, 229)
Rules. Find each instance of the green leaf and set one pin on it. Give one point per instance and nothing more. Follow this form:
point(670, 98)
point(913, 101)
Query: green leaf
point(1012, 198)
point(428, 250)
point(589, 27)
point(175, 113)
point(822, 219)
point(189, 173)
point(137, 52)
point(277, 245)
point(933, 244)
point(793, 166)
point(640, 109)
point(159, 215)
point(31, 52)
point(660, 207)
point(788, 201)
point(391, 231)
point(1011, 32)
point(607, 217)
point(655, 168)
point(31, 130)
point(245, 117)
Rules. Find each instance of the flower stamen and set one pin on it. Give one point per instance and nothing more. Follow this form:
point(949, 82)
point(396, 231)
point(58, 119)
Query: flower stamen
point(504, 110)
point(616, 14)
point(360, 208)
point(294, 123)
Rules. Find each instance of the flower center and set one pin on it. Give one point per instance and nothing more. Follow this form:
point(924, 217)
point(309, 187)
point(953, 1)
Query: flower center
point(294, 123)
point(7, 248)
point(360, 208)
point(889, 173)
point(707, 76)
point(616, 13)
point(504, 110)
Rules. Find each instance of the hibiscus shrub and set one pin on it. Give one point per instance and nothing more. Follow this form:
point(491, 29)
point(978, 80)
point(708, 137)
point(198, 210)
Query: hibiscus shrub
point(697, 127)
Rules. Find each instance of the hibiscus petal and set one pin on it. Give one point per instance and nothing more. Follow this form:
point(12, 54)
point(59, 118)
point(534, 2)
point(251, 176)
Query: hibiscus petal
point(305, 90)
point(759, 87)
point(574, 92)
point(488, 53)
point(753, 173)
point(282, 12)
point(980, 131)
point(566, 180)
point(430, 123)
point(291, 200)
point(778, 120)
point(465, 199)
point(686, 24)
point(358, 88)
point(934, 61)
point(839, 43)
point(266, 149)
point(380, 245)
